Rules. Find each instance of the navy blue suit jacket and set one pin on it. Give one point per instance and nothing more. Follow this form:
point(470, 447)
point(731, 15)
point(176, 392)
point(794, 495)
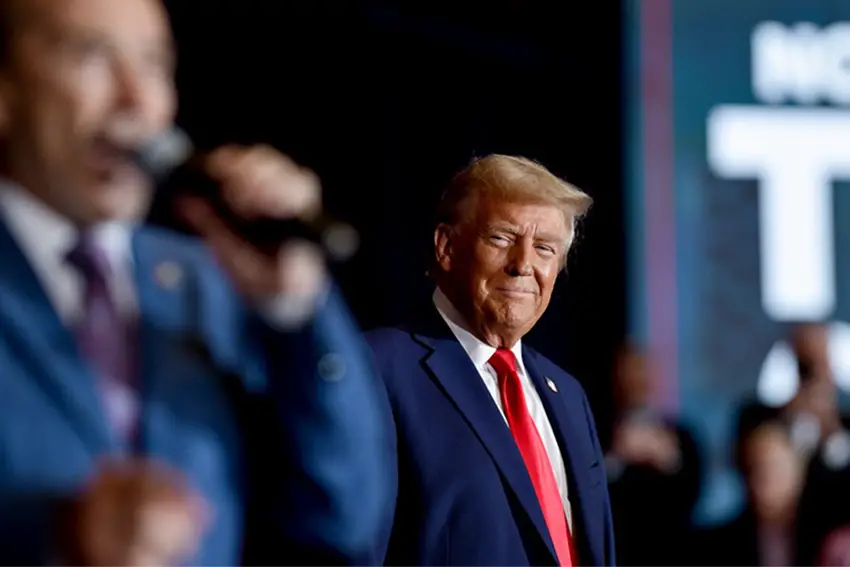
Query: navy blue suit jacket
point(280, 431)
point(463, 494)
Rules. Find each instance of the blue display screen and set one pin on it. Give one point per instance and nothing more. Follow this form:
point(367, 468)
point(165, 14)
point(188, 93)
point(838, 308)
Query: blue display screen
point(739, 203)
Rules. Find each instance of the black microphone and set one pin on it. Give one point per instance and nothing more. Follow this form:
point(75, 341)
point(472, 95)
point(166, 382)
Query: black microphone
point(175, 166)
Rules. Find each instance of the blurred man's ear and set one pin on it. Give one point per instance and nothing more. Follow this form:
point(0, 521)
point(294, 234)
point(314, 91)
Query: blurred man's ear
point(5, 105)
point(7, 99)
point(443, 246)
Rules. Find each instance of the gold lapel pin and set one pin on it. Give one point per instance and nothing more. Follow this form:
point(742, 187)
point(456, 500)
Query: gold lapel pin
point(168, 275)
point(551, 385)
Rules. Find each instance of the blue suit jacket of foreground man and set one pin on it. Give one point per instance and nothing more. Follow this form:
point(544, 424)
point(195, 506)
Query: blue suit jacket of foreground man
point(277, 430)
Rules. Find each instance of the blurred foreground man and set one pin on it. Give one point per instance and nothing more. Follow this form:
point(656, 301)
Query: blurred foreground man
point(156, 409)
point(498, 457)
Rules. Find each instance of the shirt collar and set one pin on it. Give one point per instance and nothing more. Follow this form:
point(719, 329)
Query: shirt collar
point(479, 351)
point(46, 237)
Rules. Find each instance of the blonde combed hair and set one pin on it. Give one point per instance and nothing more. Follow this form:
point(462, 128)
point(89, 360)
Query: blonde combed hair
point(511, 178)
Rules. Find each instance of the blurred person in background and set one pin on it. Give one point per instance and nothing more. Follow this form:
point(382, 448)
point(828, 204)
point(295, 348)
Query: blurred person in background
point(653, 470)
point(498, 457)
point(821, 435)
point(835, 551)
point(164, 400)
point(765, 532)
point(817, 426)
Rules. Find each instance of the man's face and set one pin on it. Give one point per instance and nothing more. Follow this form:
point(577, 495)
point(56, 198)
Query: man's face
point(502, 265)
point(85, 81)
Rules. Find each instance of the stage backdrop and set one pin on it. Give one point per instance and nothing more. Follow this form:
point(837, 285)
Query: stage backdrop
point(739, 163)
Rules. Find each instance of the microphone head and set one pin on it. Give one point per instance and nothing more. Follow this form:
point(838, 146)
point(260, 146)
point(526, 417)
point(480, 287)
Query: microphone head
point(165, 152)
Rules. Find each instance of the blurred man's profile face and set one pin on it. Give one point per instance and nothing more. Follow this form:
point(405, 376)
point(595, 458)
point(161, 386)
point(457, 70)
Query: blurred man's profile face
point(85, 80)
point(503, 263)
point(773, 472)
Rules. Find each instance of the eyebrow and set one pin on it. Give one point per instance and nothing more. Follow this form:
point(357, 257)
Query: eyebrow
point(515, 230)
point(162, 45)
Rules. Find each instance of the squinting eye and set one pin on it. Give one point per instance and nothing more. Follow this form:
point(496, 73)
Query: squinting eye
point(499, 239)
point(546, 249)
point(89, 50)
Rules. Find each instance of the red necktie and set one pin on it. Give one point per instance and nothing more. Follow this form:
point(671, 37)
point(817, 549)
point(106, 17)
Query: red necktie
point(533, 453)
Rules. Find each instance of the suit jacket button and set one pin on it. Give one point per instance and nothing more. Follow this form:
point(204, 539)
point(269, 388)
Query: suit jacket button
point(331, 367)
point(168, 275)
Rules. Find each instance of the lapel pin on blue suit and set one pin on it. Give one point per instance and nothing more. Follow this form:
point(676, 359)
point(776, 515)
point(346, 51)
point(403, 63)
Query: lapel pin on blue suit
point(168, 275)
point(551, 384)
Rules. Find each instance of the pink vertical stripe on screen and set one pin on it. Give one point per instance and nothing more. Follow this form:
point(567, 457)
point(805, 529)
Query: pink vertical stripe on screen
point(656, 60)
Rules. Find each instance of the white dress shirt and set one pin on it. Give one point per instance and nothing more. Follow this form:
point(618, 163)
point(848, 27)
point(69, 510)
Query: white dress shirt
point(480, 353)
point(45, 238)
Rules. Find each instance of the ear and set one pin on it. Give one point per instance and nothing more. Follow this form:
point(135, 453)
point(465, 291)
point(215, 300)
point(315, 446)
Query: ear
point(5, 104)
point(443, 249)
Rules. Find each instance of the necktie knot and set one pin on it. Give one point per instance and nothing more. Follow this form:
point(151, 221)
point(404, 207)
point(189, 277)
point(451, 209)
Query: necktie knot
point(503, 361)
point(90, 258)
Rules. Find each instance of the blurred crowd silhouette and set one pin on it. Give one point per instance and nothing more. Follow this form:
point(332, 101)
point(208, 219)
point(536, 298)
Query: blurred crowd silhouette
point(793, 460)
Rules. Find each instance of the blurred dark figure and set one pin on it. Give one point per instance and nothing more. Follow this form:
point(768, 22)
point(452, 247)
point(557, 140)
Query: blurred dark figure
point(820, 433)
point(765, 533)
point(653, 471)
point(817, 427)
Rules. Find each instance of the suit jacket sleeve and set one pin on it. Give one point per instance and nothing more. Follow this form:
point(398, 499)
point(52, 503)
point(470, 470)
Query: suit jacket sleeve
point(332, 436)
point(609, 550)
point(381, 546)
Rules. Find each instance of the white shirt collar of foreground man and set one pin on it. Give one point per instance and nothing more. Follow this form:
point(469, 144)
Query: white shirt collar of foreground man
point(45, 238)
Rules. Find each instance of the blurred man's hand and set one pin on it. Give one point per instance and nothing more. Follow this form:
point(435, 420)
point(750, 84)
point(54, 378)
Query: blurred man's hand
point(259, 182)
point(646, 444)
point(133, 513)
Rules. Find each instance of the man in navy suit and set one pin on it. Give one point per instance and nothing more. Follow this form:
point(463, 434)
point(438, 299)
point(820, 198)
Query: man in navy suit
point(164, 400)
point(498, 461)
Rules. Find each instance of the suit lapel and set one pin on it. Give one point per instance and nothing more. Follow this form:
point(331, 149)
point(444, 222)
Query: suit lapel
point(168, 323)
point(47, 349)
point(570, 429)
point(450, 366)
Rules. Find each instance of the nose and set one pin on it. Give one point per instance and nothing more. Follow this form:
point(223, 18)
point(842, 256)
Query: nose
point(129, 90)
point(521, 258)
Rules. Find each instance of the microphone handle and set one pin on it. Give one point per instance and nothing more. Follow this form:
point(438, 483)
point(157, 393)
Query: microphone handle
point(338, 240)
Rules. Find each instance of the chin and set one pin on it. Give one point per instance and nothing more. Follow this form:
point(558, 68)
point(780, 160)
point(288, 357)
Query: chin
point(127, 203)
point(514, 316)
point(129, 210)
